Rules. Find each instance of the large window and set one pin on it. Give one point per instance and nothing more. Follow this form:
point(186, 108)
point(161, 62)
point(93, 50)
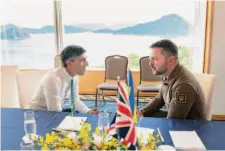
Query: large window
point(129, 27)
point(102, 27)
point(27, 33)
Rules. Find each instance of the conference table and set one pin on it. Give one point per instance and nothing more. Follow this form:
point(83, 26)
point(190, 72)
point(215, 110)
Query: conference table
point(212, 133)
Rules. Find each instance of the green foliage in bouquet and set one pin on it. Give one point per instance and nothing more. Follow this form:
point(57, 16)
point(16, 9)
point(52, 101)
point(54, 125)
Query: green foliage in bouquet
point(84, 141)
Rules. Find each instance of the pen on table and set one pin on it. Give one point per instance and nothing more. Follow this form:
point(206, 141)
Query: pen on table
point(60, 130)
point(160, 134)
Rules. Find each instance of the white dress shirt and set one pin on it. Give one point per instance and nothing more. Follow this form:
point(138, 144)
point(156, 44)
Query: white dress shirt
point(54, 89)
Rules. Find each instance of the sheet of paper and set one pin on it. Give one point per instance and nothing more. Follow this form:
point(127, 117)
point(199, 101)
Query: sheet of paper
point(144, 132)
point(186, 140)
point(72, 123)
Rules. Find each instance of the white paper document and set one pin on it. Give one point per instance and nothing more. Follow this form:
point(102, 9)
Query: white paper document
point(72, 123)
point(144, 132)
point(186, 140)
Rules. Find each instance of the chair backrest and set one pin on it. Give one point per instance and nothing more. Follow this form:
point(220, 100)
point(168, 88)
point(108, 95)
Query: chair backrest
point(115, 66)
point(27, 82)
point(207, 82)
point(58, 61)
point(146, 73)
point(8, 91)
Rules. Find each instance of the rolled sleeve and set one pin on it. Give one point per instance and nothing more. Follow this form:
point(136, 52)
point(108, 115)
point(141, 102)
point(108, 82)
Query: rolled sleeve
point(183, 98)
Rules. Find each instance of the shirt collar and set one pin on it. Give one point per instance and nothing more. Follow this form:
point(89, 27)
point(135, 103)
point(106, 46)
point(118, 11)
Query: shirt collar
point(65, 75)
point(173, 75)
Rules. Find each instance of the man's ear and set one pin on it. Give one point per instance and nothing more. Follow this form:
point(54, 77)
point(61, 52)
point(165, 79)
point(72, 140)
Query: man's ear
point(68, 62)
point(171, 59)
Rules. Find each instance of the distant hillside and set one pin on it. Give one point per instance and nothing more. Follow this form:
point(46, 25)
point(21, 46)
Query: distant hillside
point(50, 29)
point(167, 26)
point(12, 32)
point(45, 29)
point(90, 26)
point(101, 26)
point(104, 31)
point(171, 25)
point(73, 29)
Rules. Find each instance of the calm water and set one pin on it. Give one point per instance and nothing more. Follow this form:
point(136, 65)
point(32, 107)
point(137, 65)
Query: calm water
point(39, 50)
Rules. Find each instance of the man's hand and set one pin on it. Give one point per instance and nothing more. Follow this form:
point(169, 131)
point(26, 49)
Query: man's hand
point(93, 111)
point(139, 114)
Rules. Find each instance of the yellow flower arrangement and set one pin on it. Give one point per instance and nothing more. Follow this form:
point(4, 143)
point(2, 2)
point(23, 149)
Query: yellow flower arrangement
point(83, 141)
point(152, 142)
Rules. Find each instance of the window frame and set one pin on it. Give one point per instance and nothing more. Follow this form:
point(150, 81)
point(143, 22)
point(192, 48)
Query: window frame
point(203, 13)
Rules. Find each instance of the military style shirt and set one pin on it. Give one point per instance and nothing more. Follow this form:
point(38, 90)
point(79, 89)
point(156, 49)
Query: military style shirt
point(181, 94)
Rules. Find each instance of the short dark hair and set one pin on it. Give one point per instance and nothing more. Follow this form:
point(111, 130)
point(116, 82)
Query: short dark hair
point(168, 47)
point(69, 52)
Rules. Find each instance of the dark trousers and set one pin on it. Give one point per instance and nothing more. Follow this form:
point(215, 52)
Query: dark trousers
point(68, 110)
point(66, 106)
point(158, 113)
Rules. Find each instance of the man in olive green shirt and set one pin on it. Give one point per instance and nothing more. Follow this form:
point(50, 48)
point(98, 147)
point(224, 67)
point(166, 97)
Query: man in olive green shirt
point(180, 92)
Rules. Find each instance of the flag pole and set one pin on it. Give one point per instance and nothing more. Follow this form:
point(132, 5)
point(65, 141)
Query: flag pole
point(118, 80)
point(128, 70)
point(117, 129)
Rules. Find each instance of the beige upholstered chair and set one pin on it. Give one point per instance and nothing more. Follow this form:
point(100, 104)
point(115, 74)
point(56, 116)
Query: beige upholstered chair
point(115, 66)
point(58, 62)
point(27, 82)
point(8, 88)
point(147, 75)
point(207, 82)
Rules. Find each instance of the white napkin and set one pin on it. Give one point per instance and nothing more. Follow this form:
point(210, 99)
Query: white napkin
point(72, 123)
point(186, 140)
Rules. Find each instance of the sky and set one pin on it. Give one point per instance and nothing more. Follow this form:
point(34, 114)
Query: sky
point(37, 13)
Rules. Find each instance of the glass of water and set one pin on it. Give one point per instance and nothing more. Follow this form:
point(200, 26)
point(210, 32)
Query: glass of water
point(27, 146)
point(29, 123)
point(103, 122)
